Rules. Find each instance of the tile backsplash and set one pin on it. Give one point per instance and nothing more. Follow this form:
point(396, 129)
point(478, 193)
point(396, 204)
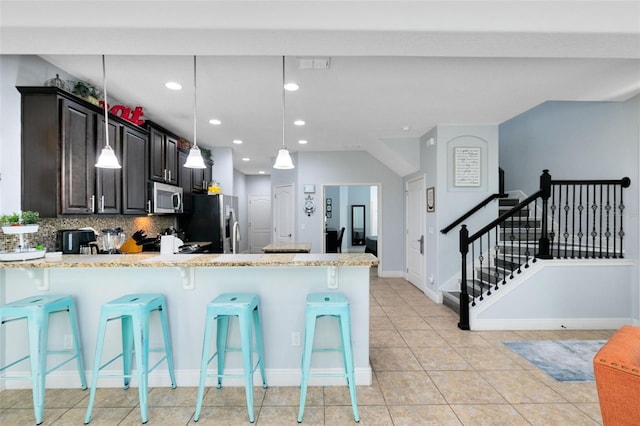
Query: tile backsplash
point(47, 231)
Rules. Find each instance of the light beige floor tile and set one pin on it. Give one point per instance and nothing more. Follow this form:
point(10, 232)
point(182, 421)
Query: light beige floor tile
point(287, 415)
point(422, 338)
point(290, 395)
point(592, 409)
point(489, 415)
point(408, 388)
point(99, 416)
point(401, 310)
point(554, 414)
point(499, 336)
point(439, 322)
point(465, 387)
point(381, 323)
point(26, 416)
point(162, 416)
point(376, 311)
point(410, 322)
point(369, 415)
point(520, 386)
point(540, 334)
point(365, 395)
point(112, 398)
point(393, 359)
point(433, 310)
point(385, 339)
point(440, 358)
point(231, 396)
point(178, 397)
point(21, 398)
point(462, 338)
point(228, 416)
point(487, 358)
point(53, 398)
point(392, 301)
point(410, 415)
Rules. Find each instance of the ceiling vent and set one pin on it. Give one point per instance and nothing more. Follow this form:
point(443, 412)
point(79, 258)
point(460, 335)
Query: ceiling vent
point(314, 63)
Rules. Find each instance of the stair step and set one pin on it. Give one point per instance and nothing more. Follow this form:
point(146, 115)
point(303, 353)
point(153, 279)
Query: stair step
point(508, 202)
point(522, 223)
point(451, 299)
point(521, 213)
point(519, 234)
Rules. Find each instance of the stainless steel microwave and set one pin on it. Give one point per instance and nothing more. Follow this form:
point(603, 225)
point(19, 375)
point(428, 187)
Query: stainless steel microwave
point(164, 199)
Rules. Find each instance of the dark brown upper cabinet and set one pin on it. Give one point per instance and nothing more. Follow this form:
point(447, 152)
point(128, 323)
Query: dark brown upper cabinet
point(163, 154)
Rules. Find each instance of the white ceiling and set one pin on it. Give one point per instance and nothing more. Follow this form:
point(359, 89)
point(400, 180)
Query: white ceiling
point(392, 64)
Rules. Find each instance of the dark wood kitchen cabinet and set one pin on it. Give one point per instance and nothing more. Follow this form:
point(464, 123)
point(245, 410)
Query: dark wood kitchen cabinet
point(186, 181)
point(163, 154)
point(134, 170)
point(62, 136)
point(108, 196)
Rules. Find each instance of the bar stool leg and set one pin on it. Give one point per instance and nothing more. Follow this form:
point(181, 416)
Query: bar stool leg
point(126, 325)
point(309, 333)
point(141, 343)
point(167, 344)
point(96, 365)
point(259, 344)
point(204, 362)
point(73, 318)
point(246, 338)
point(221, 343)
point(38, 324)
point(345, 332)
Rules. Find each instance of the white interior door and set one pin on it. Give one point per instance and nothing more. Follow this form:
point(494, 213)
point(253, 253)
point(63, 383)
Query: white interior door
point(283, 219)
point(416, 209)
point(259, 222)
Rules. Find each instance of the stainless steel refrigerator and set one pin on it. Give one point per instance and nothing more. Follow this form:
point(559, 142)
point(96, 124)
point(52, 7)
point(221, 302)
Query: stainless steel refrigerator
point(213, 219)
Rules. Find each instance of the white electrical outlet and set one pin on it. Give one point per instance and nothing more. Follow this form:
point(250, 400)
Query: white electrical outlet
point(295, 338)
point(67, 341)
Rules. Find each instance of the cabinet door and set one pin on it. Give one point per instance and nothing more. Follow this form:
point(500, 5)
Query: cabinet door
point(171, 159)
point(157, 170)
point(186, 181)
point(198, 180)
point(78, 159)
point(108, 181)
point(134, 184)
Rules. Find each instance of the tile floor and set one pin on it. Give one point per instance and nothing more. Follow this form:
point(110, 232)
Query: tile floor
point(426, 371)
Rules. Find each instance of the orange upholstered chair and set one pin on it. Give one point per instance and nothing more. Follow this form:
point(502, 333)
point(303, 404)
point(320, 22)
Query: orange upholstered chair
point(617, 371)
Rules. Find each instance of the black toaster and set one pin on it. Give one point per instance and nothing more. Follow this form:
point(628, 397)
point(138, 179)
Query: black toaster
point(70, 240)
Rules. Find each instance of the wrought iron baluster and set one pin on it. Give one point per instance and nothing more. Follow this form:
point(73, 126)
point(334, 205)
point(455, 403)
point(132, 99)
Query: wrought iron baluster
point(573, 220)
point(580, 234)
point(594, 233)
point(552, 222)
point(519, 239)
point(601, 218)
point(481, 269)
point(621, 232)
point(527, 252)
point(496, 254)
point(473, 274)
point(615, 221)
point(566, 221)
point(586, 239)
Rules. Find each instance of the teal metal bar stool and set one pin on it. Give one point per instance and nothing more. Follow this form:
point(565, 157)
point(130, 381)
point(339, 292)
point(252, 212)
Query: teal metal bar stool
point(332, 305)
point(36, 310)
point(134, 311)
point(246, 307)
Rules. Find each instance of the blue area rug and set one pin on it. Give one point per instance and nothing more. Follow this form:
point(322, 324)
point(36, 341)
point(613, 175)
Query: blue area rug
point(564, 360)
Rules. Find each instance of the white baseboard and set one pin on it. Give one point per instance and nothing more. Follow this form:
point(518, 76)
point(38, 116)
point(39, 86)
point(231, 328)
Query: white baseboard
point(392, 274)
point(551, 324)
point(191, 378)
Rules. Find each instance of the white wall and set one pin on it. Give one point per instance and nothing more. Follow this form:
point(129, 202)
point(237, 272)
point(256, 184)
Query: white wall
point(348, 168)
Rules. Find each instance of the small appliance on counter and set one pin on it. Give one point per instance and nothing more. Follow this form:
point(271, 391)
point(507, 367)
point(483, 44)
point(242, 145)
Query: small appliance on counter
point(69, 241)
point(112, 240)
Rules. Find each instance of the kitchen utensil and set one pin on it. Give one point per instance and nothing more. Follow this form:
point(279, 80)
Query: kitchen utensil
point(112, 240)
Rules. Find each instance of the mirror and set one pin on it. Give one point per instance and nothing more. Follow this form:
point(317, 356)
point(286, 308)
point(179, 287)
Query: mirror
point(357, 225)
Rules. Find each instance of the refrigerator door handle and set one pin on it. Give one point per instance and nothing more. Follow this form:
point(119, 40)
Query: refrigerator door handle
point(235, 236)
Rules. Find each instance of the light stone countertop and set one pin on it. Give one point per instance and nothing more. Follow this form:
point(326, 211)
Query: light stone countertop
point(155, 260)
point(282, 247)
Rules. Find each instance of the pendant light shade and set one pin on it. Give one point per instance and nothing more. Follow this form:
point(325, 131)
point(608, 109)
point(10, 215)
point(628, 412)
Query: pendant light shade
point(283, 160)
point(107, 158)
point(194, 160)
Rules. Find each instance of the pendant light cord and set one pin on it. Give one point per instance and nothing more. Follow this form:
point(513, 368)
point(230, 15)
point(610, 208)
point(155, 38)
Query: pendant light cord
point(283, 91)
point(195, 103)
point(106, 107)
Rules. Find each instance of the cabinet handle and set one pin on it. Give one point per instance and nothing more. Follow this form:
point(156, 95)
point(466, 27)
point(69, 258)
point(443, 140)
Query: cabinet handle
point(164, 175)
point(92, 203)
point(148, 206)
point(169, 175)
point(102, 204)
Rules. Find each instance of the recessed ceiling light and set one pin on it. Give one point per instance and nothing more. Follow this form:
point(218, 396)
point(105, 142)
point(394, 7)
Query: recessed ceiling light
point(299, 122)
point(215, 122)
point(246, 159)
point(172, 85)
point(237, 141)
point(406, 128)
point(291, 86)
point(302, 142)
point(261, 172)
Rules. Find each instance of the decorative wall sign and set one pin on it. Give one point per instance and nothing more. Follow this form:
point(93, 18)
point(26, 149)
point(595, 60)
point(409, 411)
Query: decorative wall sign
point(431, 199)
point(467, 163)
point(125, 113)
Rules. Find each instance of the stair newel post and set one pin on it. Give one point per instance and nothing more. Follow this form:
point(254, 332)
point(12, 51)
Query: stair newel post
point(464, 294)
point(544, 251)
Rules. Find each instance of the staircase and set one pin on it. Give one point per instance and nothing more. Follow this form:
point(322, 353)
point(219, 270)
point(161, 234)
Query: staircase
point(522, 229)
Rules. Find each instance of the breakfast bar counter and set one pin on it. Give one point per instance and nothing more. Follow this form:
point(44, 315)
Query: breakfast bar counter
point(189, 282)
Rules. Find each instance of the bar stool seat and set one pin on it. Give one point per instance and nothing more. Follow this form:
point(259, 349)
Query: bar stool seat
point(333, 305)
point(36, 311)
point(134, 311)
point(245, 306)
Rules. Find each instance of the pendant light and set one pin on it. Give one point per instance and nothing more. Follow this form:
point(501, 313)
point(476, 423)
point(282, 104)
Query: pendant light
point(107, 158)
point(194, 160)
point(283, 160)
